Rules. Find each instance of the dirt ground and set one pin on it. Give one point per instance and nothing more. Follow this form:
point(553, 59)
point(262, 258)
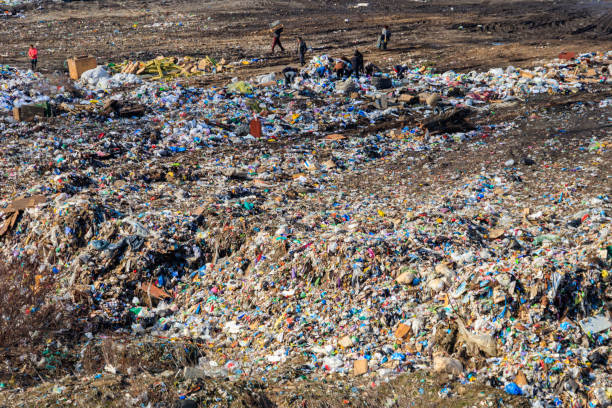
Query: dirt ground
point(460, 35)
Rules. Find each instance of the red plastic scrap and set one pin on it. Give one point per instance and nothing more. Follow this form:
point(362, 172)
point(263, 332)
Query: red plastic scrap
point(154, 291)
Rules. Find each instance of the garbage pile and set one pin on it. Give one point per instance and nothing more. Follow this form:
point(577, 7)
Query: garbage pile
point(19, 87)
point(307, 248)
point(476, 88)
point(5, 4)
point(99, 78)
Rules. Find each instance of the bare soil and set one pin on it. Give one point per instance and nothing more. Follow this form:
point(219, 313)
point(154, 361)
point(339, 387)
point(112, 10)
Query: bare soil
point(460, 35)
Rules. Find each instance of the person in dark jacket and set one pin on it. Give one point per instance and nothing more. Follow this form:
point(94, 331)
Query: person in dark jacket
point(357, 62)
point(370, 69)
point(384, 38)
point(276, 39)
point(302, 48)
point(400, 71)
point(290, 74)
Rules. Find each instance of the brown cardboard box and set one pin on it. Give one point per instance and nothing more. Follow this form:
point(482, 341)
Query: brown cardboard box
point(360, 367)
point(28, 112)
point(78, 65)
point(527, 74)
point(402, 331)
point(520, 379)
point(408, 98)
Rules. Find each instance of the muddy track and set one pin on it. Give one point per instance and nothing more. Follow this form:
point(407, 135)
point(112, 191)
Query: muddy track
point(603, 25)
point(559, 24)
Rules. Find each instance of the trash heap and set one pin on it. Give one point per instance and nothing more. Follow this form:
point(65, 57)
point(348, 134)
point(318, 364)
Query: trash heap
point(329, 245)
point(497, 84)
point(19, 87)
point(100, 78)
point(13, 3)
point(222, 114)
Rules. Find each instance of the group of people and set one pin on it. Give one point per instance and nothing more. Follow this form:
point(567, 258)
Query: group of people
point(347, 67)
point(339, 68)
point(301, 44)
point(356, 61)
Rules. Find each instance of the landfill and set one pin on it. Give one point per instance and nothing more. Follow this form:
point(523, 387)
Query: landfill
point(381, 225)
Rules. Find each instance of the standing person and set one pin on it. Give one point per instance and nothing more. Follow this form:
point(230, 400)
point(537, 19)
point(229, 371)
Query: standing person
point(276, 33)
point(302, 48)
point(33, 54)
point(357, 62)
point(384, 38)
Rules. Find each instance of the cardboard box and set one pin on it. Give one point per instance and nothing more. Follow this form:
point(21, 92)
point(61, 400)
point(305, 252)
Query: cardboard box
point(78, 65)
point(520, 379)
point(360, 367)
point(408, 98)
point(402, 331)
point(527, 74)
point(27, 113)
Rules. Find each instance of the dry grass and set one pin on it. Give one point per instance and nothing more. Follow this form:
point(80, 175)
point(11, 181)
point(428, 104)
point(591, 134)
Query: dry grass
point(34, 326)
point(23, 304)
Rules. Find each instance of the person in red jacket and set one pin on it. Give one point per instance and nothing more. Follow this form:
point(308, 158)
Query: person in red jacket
point(33, 54)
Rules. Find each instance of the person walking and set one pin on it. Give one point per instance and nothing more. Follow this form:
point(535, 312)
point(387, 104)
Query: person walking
point(276, 33)
point(384, 38)
point(302, 48)
point(33, 54)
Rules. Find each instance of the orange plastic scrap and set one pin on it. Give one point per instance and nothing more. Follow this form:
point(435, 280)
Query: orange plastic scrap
point(335, 136)
point(153, 291)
